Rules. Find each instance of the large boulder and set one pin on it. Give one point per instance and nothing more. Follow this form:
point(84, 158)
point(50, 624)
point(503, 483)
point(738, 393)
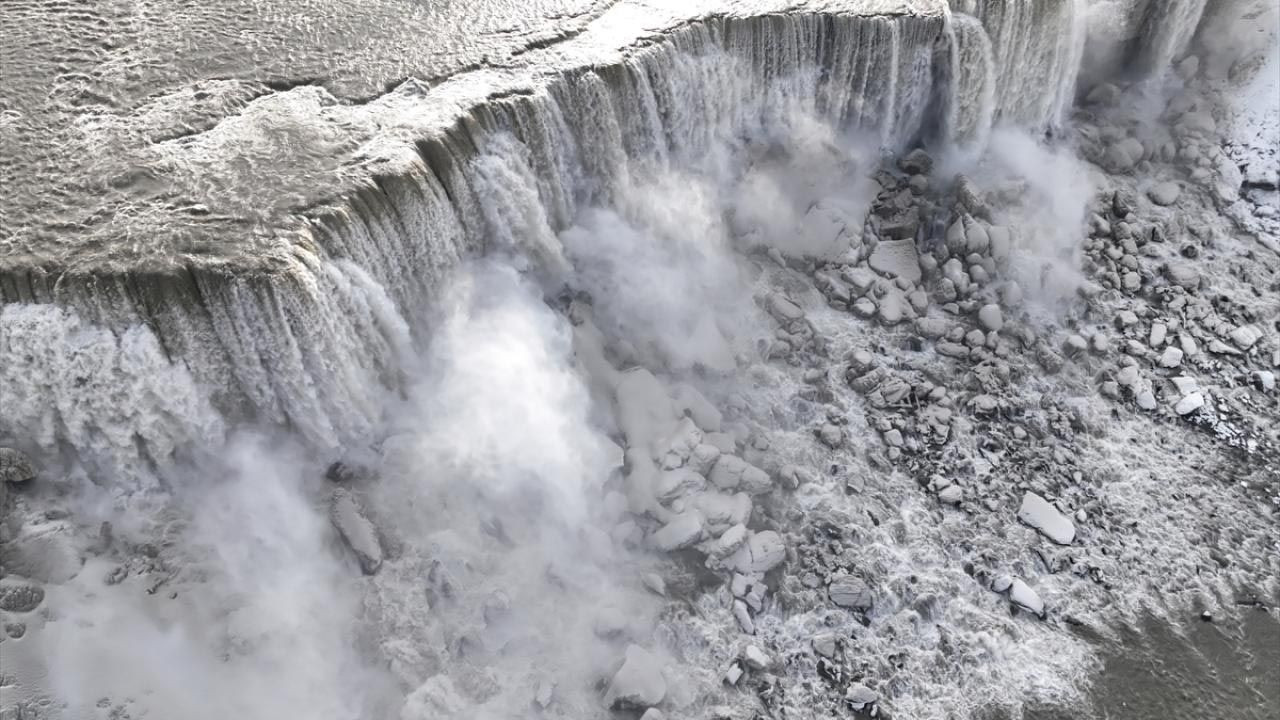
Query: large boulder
point(1123, 155)
point(1165, 193)
point(916, 162)
point(896, 258)
point(733, 473)
point(639, 683)
point(1043, 516)
point(762, 552)
point(850, 592)
point(1021, 595)
point(680, 532)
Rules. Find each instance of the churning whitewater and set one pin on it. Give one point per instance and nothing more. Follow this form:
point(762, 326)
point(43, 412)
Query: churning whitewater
point(721, 360)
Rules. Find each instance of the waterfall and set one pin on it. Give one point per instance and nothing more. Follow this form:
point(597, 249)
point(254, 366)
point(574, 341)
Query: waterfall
point(1167, 30)
point(1035, 48)
point(972, 103)
point(313, 337)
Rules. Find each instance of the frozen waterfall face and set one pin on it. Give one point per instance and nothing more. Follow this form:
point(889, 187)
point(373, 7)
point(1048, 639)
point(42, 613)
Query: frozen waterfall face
point(585, 359)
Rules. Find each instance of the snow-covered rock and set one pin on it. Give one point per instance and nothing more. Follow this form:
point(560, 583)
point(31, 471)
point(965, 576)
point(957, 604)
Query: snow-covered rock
point(1043, 516)
point(639, 683)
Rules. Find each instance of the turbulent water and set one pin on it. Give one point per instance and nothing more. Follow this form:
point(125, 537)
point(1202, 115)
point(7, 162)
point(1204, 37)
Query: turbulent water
point(534, 305)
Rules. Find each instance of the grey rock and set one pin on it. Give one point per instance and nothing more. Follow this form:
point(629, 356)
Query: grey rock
point(743, 615)
point(859, 696)
point(932, 328)
point(916, 162)
point(1157, 336)
point(1165, 193)
point(1123, 155)
point(896, 258)
point(951, 494)
point(977, 240)
point(860, 279)
point(1043, 516)
point(1001, 242)
point(682, 531)
point(1245, 336)
point(1146, 400)
point(782, 308)
point(1103, 94)
point(1189, 404)
point(826, 645)
point(991, 318)
point(755, 658)
point(1171, 357)
point(672, 484)
point(1075, 345)
point(654, 583)
point(1265, 380)
point(762, 552)
point(901, 226)
point(1021, 594)
point(850, 592)
point(733, 473)
point(639, 683)
point(1217, 347)
point(729, 541)
point(892, 308)
point(1188, 345)
point(1182, 275)
point(831, 435)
